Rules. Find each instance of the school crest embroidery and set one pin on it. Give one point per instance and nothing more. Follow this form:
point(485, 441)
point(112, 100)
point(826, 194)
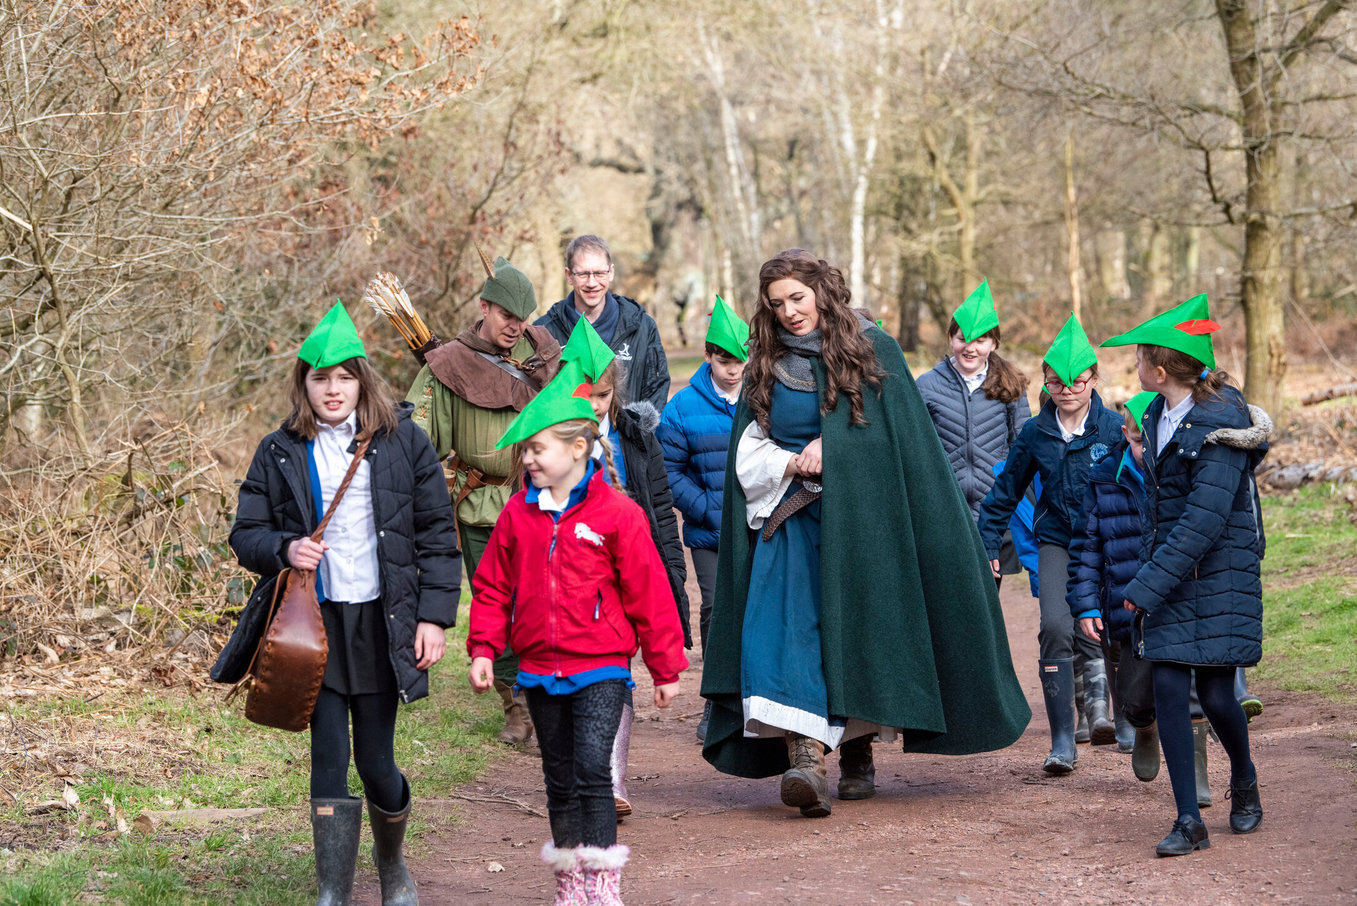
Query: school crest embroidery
point(1098, 451)
point(585, 533)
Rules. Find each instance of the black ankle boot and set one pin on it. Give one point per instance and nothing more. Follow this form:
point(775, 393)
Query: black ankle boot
point(1188, 834)
point(857, 771)
point(1246, 808)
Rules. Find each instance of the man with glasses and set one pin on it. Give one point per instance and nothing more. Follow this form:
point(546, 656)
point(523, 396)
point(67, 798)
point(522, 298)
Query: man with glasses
point(621, 322)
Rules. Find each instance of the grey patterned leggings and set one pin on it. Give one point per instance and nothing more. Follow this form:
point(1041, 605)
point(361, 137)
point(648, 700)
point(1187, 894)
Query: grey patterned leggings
point(575, 734)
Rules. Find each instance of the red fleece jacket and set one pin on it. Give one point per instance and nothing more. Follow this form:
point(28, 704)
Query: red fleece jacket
point(576, 594)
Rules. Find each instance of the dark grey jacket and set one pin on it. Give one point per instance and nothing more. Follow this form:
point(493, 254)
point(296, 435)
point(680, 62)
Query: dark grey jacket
point(975, 431)
point(1202, 539)
point(636, 341)
point(421, 570)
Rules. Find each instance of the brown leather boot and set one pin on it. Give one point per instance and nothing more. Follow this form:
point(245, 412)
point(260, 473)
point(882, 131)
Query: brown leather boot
point(804, 785)
point(857, 771)
point(517, 722)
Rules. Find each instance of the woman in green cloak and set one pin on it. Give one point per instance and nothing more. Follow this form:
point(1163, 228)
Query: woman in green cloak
point(854, 599)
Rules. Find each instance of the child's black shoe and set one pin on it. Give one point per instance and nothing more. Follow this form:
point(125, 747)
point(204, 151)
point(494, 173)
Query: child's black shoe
point(1188, 834)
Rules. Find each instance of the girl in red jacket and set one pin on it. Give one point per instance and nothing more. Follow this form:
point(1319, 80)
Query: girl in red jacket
point(572, 581)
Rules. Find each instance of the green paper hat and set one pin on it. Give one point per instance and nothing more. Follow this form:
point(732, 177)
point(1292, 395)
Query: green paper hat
point(333, 340)
point(1070, 354)
point(1186, 328)
point(587, 348)
point(1137, 404)
point(510, 287)
point(564, 398)
point(728, 330)
point(976, 316)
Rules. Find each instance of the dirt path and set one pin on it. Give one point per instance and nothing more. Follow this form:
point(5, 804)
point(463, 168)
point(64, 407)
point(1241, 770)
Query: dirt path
point(977, 829)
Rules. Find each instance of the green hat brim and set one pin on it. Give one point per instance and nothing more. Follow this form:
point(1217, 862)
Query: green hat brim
point(728, 330)
point(1187, 327)
point(1137, 404)
point(1070, 354)
point(332, 341)
point(977, 315)
point(564, 398)
point(587, 348)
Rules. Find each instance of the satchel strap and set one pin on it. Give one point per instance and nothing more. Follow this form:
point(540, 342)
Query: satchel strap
point(343, 486)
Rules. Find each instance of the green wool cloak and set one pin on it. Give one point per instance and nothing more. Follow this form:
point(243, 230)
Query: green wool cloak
point(911, 631)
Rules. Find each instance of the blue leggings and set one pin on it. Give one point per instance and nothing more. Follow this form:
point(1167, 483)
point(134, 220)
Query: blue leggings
point(1215, 688)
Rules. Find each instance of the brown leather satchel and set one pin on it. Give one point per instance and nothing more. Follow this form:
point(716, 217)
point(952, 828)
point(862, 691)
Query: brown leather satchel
point(288, 666)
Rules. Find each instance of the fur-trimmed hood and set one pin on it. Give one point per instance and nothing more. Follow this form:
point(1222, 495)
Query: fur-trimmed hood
point(1250, 438)
point(648, 417)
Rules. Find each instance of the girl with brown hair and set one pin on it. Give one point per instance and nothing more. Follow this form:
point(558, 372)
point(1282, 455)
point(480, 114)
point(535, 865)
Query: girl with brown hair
point(852, 597)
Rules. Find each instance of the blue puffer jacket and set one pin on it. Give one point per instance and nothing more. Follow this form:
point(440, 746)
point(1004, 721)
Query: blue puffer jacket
point(1064, 468)
point(975, 430)
point(1202, 541)
point(695, 433)
point(1105, 556)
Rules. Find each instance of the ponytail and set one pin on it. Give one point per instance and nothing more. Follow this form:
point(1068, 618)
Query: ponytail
point(1184, 369)
point(1004, 382)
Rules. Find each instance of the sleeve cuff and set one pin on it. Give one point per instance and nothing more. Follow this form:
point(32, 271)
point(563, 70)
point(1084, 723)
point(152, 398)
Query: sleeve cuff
point(480, 649)
point(1088, 614)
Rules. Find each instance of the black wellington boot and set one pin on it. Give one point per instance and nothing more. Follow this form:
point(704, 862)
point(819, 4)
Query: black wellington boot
point(335, 825)
point(388, 851)
point(1057, 687)
point(857, 771)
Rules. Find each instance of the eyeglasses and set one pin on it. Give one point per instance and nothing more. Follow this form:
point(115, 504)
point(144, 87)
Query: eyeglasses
point(1054, 387)
point(591, 275)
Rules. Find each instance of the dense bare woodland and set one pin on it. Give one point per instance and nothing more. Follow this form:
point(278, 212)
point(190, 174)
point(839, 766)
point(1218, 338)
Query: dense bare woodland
point(184, 185)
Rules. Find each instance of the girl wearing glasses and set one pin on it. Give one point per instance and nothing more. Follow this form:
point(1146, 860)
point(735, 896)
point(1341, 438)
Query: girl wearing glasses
point(1061, 443)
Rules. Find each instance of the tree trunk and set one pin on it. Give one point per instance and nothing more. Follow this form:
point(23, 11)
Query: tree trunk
point(1072, 226)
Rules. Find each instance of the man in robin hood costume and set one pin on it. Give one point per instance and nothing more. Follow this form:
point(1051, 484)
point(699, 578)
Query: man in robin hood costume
point(466, 396)
point(906, 637)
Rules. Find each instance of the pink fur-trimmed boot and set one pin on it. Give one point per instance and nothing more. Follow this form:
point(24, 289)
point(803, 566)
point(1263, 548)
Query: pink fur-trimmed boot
point(603, 873)
point(570, 879)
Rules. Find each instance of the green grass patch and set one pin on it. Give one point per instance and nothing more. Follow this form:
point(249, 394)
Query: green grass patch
point(1310, 593)
point(126, 753)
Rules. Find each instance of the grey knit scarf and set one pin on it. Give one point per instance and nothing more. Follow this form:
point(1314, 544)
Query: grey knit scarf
point(793, 369)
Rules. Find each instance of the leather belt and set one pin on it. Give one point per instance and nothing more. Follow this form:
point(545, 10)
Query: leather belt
point(808, 493)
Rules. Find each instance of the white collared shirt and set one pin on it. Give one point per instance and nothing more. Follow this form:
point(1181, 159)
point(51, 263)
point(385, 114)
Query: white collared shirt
point(1067, 435)
point(348, 570)
point(1170, 419)
point(974, 381)
point(731, 397)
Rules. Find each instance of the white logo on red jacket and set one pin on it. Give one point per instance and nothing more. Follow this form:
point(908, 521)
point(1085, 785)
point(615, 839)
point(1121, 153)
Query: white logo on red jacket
point(588, 534)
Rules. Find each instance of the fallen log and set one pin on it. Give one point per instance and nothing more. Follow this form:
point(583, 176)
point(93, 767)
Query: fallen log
point(148, 822)
point(1332, 393)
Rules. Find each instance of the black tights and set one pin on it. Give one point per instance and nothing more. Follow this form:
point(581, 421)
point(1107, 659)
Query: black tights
point(374, 733)
point(575, 735)
point(1215, 688)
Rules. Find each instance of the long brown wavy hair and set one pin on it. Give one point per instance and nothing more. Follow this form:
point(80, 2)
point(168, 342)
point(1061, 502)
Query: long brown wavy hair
point(848, 357)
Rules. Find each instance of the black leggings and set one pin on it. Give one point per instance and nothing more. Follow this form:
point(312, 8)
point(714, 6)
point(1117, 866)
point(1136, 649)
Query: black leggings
point(1215, 688)
point(575, 734)
point(374, 733)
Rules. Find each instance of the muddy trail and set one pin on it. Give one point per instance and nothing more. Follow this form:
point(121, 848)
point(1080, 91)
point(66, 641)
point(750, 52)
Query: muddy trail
point(978, 829)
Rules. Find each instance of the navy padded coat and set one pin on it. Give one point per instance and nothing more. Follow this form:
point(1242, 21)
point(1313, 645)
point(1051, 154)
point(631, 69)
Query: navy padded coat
point(1064, 470)
point(636, 340)
point(1104, 557)
point(695, 433)
point(421, 569)
point(1202, 542)
point(975, 430)
point(648, 485)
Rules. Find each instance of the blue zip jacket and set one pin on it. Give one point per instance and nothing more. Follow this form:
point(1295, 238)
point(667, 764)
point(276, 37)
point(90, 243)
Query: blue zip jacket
point(1064, 468)
point(1105, 556)
point(695, 433)
point(1202, 542)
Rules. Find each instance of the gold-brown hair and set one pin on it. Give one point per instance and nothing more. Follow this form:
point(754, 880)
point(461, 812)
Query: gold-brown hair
point(1182, 368)
point(568, 432)
point(849, 360)
point(376, 408)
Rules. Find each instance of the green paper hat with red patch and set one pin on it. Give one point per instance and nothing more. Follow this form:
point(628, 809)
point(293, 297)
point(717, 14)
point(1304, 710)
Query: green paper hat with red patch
point(728, 330)
point(976, 316)
point(587, 348)
point(1071, 354)
point(333, 340)
point(1186, 328)
point(564, 398)
point(1137, 404)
